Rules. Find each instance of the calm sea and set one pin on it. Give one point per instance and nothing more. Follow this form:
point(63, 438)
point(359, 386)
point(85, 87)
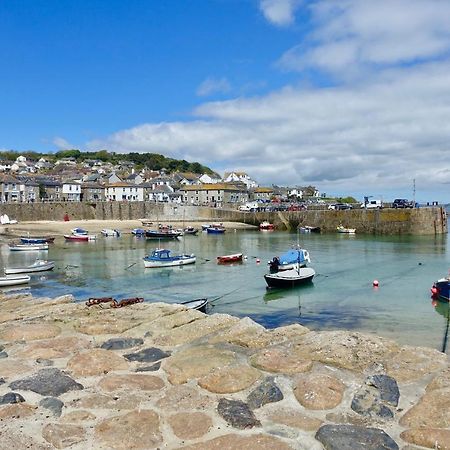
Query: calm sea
point(341, 297)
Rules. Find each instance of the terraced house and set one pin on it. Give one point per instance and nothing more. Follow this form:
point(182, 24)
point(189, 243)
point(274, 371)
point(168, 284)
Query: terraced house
point(217, 194)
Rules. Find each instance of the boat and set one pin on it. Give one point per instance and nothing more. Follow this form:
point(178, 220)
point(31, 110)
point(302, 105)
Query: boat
point(200, 304)
point(36, 239)
point(80, 237)
point(441, 289)
point(237, 257)
point(110, 232)
point(78, 231)
point(138, 231)
point(215, 229)
point(191, 230)
point(146, 223)
point(27, 247)
point(266, 226)
point(290, 278)
point(308, 229)
point(162, 258)
point(205, 226)
point(38, 266)
point(342, 229)
point(293, 258)
point(12, 281)
point(163, 233)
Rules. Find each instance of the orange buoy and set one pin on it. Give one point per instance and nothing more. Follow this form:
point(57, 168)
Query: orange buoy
point(375, 283)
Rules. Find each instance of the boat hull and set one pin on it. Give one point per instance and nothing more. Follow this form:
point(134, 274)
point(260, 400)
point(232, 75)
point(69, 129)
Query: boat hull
point(215, 230)
point(36, 240)
point(13, 281)
point(229, 258)
point(161, 235)
point(28, 247)
point(200, 304)
point(290, 278)
point(443, 289)
point(41, 267)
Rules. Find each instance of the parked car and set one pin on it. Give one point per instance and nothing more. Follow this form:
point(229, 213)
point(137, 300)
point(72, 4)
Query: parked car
point(340, 206)
point(402, 203)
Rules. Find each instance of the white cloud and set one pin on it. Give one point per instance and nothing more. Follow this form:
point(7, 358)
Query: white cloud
point(213, 86)
point(279, 12)
point(62, 143)
point(368, 33)
point(374, 136)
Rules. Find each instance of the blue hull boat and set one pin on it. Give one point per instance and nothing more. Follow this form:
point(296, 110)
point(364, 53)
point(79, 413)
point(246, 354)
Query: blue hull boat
point(215, 230)
point(441, 289)
point(162, 258)
point(36, 240)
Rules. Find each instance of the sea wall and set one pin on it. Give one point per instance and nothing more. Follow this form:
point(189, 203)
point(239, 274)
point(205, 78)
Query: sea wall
point(427, 220)
point(161, 376)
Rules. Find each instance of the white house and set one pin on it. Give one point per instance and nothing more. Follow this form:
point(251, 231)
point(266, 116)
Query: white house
point(207, 179)
point(71, 191)
point(230, 177)
point(123, 192)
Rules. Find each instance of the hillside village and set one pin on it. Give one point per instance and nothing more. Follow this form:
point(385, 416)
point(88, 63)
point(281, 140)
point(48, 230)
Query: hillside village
point(92, 180)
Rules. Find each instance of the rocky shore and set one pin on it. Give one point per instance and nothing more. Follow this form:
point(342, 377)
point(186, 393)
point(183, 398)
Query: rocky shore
point(160, 376)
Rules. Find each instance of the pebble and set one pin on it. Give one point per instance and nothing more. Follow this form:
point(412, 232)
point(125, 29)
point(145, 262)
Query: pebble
point(266, 392)
point(11, 397)
point(121, 343)
point(52, 404)
point(151, 354)
point(237, 414)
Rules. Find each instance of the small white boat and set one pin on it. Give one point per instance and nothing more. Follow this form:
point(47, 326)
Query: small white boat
point(110, 232)
point(200, 304)
point(38, 266)
point(80, 237)
point(27, 247)
point(342, 229)
point(162, 258)
point(12, 281)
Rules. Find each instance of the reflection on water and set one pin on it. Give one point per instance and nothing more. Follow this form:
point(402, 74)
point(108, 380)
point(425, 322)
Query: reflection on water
point(340, 297)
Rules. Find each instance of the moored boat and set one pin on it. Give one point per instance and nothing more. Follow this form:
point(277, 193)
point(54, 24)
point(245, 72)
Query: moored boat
point(138, 231)
point(266, 226)
point(290, 278)
point(342, 229)
point(308, 229)
point(110, 232)
point(162, 258)
point(27, 247)
point(441, 289)
point(191, 230)
point(36, 239)
point(163, 233)
point(236, 257)
point(215, 230)
point(80, 237)
point(38, 266)
point(12, 281)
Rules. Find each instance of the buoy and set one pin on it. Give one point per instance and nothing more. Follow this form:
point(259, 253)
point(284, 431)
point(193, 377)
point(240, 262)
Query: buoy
point(434, 290)
point(245, 256)
point(258, 261)
point(375, 283)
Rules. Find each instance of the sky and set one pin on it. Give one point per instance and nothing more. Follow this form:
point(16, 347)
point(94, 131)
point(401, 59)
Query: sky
point(351, 96)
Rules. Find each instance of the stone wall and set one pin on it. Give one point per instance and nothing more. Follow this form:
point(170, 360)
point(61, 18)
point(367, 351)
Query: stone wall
point(428, 220)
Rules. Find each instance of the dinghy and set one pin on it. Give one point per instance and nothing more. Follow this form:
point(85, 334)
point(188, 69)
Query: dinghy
point(162, 258)
point(38, 266)
point(12, 281)
point(110, 232)
point(36, 239)
point(200, 304)
point(80, 237)
point(237, 257)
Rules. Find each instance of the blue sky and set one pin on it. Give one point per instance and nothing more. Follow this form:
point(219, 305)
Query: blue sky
point(349, 95)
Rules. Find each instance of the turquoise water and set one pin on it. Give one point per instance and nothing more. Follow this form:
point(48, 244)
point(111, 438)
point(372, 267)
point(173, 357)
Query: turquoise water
point(341, 296)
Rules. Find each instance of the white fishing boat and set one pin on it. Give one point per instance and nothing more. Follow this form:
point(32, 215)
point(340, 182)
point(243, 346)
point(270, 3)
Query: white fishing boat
point(290, 278)
point(110, 232)
point(12, 281)
point(162, 258)
point(342, 229)
point(38, 266)
point(27, 247)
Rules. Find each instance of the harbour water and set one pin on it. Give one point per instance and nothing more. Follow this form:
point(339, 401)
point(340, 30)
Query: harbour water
point(341, 297)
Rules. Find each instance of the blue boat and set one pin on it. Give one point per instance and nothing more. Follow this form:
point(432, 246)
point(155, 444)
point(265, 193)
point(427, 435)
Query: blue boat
point(161, 258)
point(138, 231)
point(293, 258)
point(79, 231)
point(441, 289)
point(36, 240)
point(215, 230)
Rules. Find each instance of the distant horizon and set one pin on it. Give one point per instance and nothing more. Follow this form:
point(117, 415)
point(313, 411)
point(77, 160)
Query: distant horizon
point(352, 97)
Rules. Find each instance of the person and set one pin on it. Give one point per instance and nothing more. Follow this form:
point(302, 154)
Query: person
point(274, 264)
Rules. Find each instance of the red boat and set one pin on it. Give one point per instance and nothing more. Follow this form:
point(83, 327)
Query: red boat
point(266, 226)
point(237, 257)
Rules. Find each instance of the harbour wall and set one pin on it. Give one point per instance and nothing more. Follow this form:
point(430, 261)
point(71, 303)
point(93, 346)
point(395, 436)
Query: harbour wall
point(425, 220)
